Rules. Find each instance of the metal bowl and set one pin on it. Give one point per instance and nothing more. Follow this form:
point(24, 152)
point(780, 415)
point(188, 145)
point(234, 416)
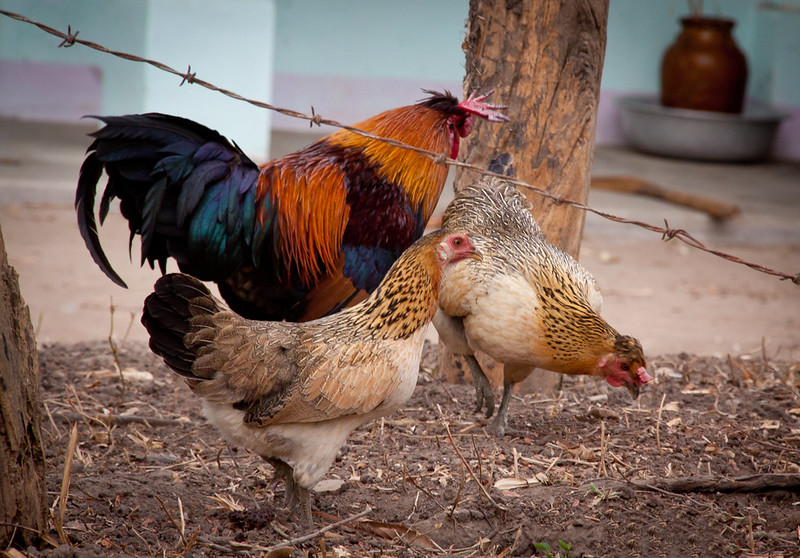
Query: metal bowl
point(696, 134)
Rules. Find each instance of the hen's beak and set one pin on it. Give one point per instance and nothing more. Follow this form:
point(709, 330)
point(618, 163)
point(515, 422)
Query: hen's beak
point(476, 256)
point(634, 390)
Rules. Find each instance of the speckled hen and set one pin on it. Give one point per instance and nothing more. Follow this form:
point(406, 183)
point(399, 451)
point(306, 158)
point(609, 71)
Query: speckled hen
point(527, 303)
point(293, 392)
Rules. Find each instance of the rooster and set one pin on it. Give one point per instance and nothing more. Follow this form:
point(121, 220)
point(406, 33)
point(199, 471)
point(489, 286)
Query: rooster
point(293, 392)
point(527, 303)
point(296, 239)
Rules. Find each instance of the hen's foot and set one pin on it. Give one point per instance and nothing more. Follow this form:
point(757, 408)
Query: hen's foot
point(498, 426)
point(483, 388)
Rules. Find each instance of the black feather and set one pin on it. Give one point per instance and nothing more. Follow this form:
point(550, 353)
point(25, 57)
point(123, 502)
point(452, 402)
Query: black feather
point(161, 168)
point(167, 315)
point(91, 169)
point(503, 164)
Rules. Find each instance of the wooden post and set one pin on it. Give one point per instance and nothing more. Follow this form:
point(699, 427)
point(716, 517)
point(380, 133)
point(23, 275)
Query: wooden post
point(544, 60)
point(23, 506)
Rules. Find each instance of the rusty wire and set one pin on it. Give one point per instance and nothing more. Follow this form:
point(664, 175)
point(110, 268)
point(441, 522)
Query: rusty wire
point(667, 233)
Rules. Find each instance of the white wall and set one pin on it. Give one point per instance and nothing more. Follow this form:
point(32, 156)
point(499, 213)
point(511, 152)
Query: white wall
point(227, 43)
point(118, 24)
point(353, 59)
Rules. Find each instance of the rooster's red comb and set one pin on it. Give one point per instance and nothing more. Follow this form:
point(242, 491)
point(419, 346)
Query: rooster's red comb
point(474, 105)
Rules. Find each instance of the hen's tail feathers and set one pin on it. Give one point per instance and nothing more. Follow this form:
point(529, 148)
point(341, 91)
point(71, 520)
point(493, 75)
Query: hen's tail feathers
point(183, 187)
point(176, 302)
point(503, 164)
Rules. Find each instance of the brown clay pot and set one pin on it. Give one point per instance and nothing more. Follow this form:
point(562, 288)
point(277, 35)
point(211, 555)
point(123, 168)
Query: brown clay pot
point(704, 68)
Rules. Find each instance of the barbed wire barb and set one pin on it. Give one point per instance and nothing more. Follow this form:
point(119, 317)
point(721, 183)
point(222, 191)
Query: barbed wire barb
point(667, 233)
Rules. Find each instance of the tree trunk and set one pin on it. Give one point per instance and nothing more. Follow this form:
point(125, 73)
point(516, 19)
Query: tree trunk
point(23, 506)
point(544, 60)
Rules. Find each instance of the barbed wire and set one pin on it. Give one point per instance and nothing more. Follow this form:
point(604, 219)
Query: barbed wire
point(667, 233)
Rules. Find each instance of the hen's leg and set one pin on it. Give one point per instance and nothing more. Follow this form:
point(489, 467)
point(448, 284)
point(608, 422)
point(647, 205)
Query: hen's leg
point(483, 389)
point(305, 507)
point(284, 472)
point(296, 498)
point(498, 425)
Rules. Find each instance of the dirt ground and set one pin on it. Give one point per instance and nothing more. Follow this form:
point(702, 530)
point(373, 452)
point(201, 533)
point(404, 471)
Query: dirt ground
point(705, 463)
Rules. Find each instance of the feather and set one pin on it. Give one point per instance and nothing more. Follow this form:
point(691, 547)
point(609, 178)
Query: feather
point(208, 172)
point(293, 392)
point(84, 206)
point(527, 303)
point(152, 204)
point(194, 196)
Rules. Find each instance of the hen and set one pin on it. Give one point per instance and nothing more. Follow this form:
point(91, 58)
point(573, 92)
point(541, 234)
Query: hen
point(293, 392)
point(296, 239)
point(527, 303)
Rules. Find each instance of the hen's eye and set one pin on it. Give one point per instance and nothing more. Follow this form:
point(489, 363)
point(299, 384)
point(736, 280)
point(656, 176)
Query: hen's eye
point(457, 242)
point(625, 366)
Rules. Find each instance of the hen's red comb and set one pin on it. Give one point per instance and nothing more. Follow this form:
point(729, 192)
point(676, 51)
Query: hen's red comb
point(475, 105)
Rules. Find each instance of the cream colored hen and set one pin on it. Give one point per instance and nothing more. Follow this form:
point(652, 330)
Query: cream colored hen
point(526, 304)
point(293, 392)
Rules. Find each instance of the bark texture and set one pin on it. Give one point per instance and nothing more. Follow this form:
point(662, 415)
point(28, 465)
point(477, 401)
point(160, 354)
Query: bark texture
point(23, 507)
point(544, 60)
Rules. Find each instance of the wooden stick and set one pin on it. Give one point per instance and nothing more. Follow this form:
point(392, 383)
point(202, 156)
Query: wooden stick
point(632, 185)
point(705, 483)
point(751, 483)
point(110, 420)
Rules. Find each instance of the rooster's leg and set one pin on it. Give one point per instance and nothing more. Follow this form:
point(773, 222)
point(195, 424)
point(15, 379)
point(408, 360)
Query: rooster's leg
point(483, 389)
point(498, 425)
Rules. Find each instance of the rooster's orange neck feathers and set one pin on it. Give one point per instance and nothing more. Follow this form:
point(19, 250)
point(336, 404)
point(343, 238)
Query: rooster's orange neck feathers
point(415, 125)
point(311, 205)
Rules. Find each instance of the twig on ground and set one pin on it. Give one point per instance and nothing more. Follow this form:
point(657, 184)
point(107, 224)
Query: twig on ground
point(603, 443)
point(42, 535)
point(110, 420)
point(425, 491)
point(171, 519)
point(478, 457)
point(764, 482)
point(50, 418)
point(113, 345)
point(464, 461)
point(128, 329)
point(58, 519)
point(141, 538)
point(658, 424)
point(457, 499)
point(237, 546)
